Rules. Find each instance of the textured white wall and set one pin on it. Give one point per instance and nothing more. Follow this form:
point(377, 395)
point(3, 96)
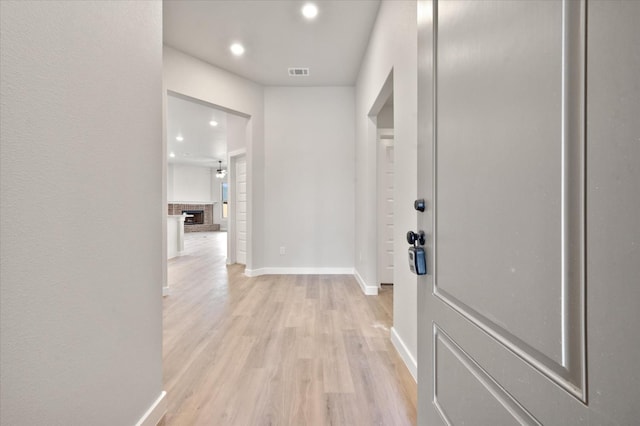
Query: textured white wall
point(189, 76)
point(393, 46)
point(309, 176)
point(81, 161)
point(191, 184)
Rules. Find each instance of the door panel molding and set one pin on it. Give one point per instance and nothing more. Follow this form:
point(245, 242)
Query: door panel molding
point(570, 373)
point(504, 398)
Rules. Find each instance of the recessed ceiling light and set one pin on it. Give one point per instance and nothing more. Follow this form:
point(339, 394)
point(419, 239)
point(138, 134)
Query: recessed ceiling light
point(172, 155)
point(213, 123)
point(310, 11)
point(179, 138)
point(237, 49)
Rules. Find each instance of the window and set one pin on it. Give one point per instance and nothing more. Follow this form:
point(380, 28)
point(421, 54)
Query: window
point(225, 200)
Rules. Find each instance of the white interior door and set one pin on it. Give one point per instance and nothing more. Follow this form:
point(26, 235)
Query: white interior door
point(385, 206)
point(533, 269)
point(241, 210)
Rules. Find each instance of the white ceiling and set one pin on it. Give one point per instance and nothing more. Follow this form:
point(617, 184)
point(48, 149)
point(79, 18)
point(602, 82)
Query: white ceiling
point(276, 36)
point(202, 144)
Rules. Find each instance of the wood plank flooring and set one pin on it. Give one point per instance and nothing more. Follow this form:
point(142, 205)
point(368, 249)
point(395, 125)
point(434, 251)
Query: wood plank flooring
point(277, 350)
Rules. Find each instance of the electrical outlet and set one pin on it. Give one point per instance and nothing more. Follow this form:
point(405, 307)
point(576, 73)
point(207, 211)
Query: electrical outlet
point(283, 250)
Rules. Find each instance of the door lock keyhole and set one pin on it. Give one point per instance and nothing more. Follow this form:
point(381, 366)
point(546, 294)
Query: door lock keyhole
point(415, 238)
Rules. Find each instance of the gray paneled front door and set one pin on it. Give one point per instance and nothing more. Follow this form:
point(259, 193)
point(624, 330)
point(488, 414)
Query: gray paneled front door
point(529, 157)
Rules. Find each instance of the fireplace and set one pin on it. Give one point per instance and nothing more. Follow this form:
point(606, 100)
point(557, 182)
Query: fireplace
point(202, 216)
point(196, 219)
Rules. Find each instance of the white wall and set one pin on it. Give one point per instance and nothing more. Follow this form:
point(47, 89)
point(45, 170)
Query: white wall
point(81, 160)
point(236, 141)
point(385, 117)
point(189, 184)
point(236, 132)
point(189, 76)
point(309, 177)
point(393, 46)
point(170, 196)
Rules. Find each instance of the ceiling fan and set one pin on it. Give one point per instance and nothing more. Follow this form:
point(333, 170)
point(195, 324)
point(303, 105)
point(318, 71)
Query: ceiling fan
point(220, 173)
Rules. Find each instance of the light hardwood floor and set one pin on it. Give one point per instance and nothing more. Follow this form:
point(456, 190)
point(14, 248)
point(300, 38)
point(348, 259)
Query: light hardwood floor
point(277, 350)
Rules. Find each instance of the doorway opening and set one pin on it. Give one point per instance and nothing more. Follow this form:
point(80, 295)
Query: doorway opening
point(196, 164)
point(381, 134)
point(200, 141)
point(385, 193)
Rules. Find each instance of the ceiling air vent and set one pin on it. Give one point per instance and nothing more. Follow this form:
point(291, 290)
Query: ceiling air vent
point(298, 72)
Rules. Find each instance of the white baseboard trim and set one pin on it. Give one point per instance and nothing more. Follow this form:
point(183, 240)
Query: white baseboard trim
point(369, 290)
point(298, 271)
point(252, 272)
point(406, 356)
point(165, 291)
point(155, 413)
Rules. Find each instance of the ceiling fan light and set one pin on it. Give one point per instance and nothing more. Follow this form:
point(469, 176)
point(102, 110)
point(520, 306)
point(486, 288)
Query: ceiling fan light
point(220, 173)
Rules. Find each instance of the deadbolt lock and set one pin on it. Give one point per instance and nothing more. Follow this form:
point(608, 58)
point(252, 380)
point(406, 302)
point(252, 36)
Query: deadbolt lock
point(415, 238)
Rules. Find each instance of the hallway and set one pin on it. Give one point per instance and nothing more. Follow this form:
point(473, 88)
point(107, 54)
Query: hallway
point(287, 349)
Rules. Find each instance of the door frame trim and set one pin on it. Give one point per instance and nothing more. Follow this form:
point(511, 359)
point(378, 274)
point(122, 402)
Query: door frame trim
point(382, 134)
point(232, 158)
